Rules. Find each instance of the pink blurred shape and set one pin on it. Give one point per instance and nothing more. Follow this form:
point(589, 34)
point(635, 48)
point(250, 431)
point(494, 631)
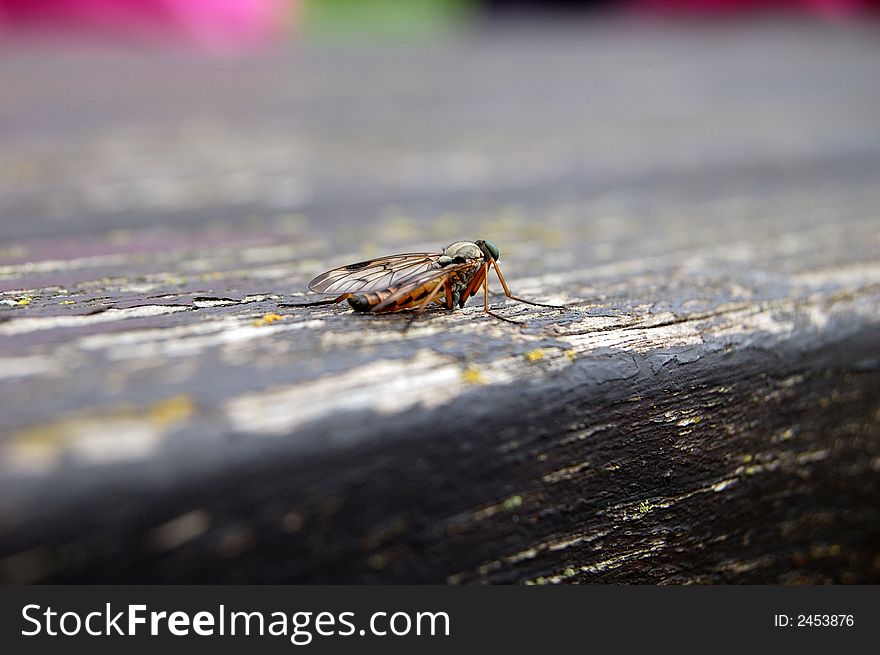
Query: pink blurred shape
point(216, 25)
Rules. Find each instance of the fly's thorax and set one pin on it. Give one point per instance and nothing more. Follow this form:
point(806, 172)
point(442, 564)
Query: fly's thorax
point(460, 251)
point(460, 280)
point(459, 284)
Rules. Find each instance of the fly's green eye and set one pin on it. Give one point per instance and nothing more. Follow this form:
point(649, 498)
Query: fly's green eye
point(493, 250)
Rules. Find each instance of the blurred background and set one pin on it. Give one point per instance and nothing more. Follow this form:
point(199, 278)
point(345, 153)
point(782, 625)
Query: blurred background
point(245, 24)
point(158, 156)
point(120, 118)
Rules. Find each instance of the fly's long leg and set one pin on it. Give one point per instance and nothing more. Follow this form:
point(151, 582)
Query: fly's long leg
point(486, 302)
point(481, 279)
point(518, 299)
point(338, 299)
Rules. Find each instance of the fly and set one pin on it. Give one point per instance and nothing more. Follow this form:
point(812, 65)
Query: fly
point(416, 280)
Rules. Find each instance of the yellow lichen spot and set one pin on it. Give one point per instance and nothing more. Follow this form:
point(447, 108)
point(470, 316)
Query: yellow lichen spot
point(172, 410)
point(98, 434)
point(535, 355)
point(37, 445)
point(66, 302)
point(472, 375)
point(25, 300)
point(571, 354)
point(747, 459)
point(268, 319)
point(512, 503)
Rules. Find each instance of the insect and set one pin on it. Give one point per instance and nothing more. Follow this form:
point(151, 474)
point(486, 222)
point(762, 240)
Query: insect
point(413, 281)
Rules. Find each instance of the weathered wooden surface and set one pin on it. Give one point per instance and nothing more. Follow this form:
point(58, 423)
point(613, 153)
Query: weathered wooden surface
point(705, 410)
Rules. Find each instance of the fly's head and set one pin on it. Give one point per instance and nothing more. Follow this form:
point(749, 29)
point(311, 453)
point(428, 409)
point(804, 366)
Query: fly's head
point(488, 248)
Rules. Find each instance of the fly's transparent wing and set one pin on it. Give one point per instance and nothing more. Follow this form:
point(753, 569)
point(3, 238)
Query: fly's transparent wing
point(374, 274)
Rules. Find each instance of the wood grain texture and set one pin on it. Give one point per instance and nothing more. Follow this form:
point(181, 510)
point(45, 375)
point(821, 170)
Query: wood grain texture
point(706, 408)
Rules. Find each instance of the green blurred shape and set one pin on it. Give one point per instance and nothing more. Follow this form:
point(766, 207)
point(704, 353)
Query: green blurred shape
point(383, 18)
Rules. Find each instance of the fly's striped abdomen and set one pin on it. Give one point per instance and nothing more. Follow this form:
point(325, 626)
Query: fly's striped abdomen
point(364, 302)
point(370, 301)
point(443, 286)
